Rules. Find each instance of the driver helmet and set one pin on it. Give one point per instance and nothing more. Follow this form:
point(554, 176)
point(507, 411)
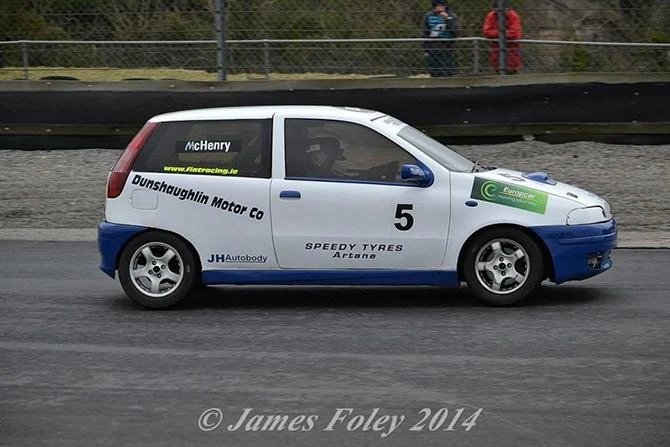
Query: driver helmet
point(325, 152)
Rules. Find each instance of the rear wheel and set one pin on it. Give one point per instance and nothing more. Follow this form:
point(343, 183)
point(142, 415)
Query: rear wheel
point(157, 269)
point(503, 266)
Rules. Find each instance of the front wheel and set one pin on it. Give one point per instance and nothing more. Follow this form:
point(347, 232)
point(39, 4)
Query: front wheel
point(503, 266)
point(157, 269)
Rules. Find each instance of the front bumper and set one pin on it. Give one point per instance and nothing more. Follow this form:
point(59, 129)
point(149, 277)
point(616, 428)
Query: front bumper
point(579, 251)
point(111, 239)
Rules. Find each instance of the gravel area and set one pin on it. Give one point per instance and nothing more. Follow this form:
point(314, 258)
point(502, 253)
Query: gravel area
point(54, 189)
point(66, 189)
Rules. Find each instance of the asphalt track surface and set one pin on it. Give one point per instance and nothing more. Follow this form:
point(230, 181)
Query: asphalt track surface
point(580, 364)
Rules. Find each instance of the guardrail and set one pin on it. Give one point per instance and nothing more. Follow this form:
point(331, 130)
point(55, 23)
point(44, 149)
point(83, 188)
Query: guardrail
point(274, 58)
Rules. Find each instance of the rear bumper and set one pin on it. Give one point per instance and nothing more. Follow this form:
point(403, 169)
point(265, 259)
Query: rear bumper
point(579, 251)
point(111, 239)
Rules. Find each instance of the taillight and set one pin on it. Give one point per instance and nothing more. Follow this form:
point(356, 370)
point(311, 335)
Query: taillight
point(119, 175)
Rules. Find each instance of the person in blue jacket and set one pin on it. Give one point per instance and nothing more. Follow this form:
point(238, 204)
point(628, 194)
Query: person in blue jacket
point(440, 24)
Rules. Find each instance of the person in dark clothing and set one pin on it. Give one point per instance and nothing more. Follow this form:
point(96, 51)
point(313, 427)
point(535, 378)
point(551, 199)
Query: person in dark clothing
point(491, 30)
point(438, 25)
point(627, 7)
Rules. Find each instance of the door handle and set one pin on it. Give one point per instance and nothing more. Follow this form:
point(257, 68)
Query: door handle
point(289, 195)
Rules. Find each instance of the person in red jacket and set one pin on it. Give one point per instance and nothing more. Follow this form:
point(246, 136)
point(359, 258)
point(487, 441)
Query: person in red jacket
point(491, 31)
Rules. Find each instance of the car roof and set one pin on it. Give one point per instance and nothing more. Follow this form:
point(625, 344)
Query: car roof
point(266, 112)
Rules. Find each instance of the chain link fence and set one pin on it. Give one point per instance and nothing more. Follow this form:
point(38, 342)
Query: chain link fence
point(100, 39)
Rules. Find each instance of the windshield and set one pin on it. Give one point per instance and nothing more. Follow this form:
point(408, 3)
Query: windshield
point(437, 151)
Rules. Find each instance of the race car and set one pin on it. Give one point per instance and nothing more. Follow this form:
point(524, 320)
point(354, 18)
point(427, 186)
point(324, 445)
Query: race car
point(319, 195)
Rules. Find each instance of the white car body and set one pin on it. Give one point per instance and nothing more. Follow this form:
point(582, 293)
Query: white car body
point(284, 230)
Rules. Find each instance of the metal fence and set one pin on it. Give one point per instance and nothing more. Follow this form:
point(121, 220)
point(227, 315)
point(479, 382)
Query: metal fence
point(274, 38)
point(304, 58)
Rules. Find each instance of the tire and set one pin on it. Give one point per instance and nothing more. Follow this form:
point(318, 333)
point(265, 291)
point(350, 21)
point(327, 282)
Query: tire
point(166, 270)
point(503, 266)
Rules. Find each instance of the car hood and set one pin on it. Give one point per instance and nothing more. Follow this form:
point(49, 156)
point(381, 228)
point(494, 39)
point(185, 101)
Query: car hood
point(541, 181)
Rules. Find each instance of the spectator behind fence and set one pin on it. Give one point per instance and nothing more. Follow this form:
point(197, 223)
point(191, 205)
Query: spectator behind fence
point(513, 27)
point(438, 25)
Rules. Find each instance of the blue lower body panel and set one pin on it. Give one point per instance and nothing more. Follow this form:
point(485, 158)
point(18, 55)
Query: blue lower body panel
point(111, 239)
point(332, 277)
point(579, 251)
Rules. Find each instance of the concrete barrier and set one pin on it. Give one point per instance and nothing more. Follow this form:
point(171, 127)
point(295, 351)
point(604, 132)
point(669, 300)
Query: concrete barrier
point(70, 114)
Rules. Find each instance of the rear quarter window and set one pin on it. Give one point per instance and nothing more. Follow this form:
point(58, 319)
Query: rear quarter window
point(239, 148)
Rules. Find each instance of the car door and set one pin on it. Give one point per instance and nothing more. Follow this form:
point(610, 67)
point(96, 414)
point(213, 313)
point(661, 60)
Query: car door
point(339, 203)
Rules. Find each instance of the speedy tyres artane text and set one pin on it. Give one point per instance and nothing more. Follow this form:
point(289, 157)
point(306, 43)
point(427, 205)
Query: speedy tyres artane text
point(353, 251)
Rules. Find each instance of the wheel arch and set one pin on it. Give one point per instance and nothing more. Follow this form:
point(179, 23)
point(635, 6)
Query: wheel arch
point(546, 254)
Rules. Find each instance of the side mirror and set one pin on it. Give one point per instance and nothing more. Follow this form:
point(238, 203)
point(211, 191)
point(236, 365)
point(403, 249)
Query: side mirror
point(416, 175)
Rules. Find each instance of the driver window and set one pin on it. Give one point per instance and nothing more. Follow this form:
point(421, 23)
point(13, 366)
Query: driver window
point(339, 150)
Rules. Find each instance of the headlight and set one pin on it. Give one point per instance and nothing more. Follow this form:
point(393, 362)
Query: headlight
point(593, 214)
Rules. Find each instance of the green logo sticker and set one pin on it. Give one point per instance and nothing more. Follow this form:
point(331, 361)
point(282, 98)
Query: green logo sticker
point(510, 195)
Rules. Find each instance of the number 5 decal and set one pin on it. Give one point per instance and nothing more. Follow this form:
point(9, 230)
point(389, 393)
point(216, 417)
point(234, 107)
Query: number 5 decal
point(401, 212)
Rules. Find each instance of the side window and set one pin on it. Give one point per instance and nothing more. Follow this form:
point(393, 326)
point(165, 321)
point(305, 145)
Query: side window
point(239, 148)
point(325, 149)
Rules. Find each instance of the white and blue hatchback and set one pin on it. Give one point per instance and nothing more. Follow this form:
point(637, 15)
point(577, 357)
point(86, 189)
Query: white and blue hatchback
point(329, 195)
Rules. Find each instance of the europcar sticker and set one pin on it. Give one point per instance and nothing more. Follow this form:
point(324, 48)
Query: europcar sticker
point(509, 195)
